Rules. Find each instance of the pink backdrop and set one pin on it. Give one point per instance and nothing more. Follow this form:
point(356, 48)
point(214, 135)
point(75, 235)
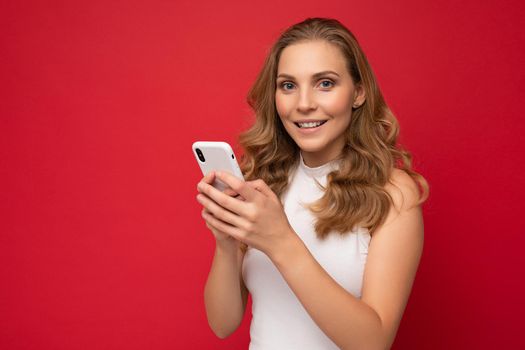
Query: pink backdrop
point(101, 241)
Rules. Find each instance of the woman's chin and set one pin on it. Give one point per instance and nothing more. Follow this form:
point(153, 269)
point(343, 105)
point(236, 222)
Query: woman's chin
point(310, 147)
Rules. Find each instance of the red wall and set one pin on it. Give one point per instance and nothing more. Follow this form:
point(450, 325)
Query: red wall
point(101, 241)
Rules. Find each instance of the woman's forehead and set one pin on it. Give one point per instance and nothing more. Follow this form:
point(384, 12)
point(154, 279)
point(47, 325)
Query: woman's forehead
point(309, 58)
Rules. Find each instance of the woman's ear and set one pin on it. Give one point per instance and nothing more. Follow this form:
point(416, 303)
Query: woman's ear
point(359, 96)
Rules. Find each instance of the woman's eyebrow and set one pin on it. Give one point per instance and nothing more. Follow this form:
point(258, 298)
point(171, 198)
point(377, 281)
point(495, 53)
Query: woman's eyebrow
point(316, 75)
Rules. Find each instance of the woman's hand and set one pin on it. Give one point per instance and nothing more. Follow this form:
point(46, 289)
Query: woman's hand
point(258, 221)
point(220, 236)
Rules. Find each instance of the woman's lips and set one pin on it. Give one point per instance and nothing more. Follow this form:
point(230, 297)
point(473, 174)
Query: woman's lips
point(308, 131)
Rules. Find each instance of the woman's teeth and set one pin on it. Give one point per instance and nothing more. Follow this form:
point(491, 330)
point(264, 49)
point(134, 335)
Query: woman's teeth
point(311, 125)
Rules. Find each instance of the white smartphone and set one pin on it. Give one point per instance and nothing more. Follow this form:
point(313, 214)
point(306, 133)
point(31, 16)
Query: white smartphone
point(215, 155)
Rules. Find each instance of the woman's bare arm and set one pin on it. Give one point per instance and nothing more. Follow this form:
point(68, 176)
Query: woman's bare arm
point(225, 294)
point(393, 257)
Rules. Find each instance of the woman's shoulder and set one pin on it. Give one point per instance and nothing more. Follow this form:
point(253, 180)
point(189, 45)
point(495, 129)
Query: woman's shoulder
point(403, 189)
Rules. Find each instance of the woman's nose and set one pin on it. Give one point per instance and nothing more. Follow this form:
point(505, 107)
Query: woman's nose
point(306, 100)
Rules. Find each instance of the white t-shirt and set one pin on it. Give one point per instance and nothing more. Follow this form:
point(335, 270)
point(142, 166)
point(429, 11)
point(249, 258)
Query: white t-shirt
point(279, 320)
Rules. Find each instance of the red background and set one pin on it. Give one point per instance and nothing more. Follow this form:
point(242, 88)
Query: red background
point(102, 243)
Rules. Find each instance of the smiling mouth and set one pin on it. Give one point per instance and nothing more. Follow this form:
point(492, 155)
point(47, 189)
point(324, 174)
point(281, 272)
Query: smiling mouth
point(312, 125)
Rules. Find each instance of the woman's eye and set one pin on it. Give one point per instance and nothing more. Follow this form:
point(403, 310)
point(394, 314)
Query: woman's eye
point(284, 85)
point(326, 81)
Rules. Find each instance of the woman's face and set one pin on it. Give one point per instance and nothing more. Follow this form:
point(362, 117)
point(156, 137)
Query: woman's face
point(313, 84)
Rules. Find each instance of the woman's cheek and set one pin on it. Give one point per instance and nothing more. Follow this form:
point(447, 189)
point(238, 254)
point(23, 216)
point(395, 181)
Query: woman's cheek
point(336, 104)
point(278, 106)
point(281, 105)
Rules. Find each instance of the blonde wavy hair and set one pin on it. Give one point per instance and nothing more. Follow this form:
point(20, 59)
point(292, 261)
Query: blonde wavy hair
point(355, 193)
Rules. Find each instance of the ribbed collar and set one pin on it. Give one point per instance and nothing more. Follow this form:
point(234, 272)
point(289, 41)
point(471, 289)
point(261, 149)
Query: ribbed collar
point(319, 171)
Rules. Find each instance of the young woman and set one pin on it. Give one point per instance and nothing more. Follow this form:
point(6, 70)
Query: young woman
point(326, 234)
